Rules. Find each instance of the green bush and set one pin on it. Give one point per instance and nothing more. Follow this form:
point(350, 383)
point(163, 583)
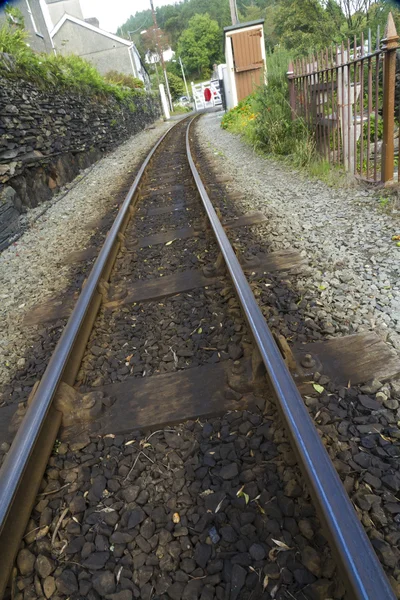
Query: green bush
point(237, 119)
point(373, 127)
point(68, 72)
point(176, 86)
point(124, 80)
point(265, 119)
point(180, 110)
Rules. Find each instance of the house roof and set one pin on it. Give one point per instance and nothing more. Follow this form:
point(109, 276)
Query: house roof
point(242, 25)
point(67, 17)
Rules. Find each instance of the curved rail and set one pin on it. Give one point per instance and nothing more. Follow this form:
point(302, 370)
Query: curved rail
point(359, 565)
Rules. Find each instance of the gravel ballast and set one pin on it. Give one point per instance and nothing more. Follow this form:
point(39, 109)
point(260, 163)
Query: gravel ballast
point(359, 424)
point(344, 234)
point(32, 270)
point(205, 510)
point(212, 508)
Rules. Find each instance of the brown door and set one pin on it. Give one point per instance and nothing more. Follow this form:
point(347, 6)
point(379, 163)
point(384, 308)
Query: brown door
point(249, 64)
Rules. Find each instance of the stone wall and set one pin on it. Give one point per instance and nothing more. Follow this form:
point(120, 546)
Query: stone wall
point(47, 137)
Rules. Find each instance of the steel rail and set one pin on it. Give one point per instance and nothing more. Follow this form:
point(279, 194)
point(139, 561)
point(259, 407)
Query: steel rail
point(25, 463)
point(359, 566)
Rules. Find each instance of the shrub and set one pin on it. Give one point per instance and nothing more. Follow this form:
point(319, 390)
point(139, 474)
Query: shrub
point(124, 80)
point(176, 86)
point(265, 119)
point(237, 119)
point(180, 110)
point(69, 72)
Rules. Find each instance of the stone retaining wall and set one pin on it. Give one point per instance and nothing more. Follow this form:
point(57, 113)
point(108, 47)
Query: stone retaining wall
point(47, 137)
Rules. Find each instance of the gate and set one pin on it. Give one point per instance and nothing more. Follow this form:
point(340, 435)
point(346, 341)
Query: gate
point(198, 90)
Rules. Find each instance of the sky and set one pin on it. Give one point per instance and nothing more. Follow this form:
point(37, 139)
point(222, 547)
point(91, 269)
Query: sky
point(113, 13)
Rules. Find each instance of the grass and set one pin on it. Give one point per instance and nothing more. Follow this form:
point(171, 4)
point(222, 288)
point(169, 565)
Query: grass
point(180, 110)
point(51, 71)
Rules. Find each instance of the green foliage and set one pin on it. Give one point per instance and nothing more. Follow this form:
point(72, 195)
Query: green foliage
point(373, 128)
point(303, 26)
point(237, 119)
point(14, 16)
point(264, 118)
point(297, 25)
point(275, 128)
point(124, 80)
point(65, 72)
point(383, 201)
point(176, 85)
point(180, 110)
point(200, 44)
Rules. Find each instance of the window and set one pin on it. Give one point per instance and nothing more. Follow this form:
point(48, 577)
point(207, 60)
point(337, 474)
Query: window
point(32, 18)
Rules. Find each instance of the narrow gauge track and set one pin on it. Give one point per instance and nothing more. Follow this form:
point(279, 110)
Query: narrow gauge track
point(195, 257)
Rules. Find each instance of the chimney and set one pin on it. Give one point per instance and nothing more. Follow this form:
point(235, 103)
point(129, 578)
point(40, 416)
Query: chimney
point(93, 21)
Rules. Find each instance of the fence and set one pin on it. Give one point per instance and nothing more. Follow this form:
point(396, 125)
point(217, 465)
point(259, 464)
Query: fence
point(346, 95)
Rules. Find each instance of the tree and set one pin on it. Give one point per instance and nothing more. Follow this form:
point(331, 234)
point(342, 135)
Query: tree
point(200, 44)
point(154, 40)
point(303, 26)
point(176, 86)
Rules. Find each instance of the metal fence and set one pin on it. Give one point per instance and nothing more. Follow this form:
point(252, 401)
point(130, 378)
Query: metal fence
point(346, 96)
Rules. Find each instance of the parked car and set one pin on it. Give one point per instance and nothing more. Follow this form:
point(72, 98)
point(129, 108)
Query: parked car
point(184, 101)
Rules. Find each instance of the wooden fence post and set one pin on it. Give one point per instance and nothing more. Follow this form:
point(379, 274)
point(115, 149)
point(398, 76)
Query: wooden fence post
point(292, 91)
point(389, 47)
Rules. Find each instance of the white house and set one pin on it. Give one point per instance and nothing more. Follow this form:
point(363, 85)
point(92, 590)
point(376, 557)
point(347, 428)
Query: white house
point(154, 57)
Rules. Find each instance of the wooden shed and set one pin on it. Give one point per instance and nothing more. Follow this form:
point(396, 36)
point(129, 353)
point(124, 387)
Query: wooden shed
point(245, 58)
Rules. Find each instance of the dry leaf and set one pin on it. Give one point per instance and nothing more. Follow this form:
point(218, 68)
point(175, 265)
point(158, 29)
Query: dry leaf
point(281, 544)
point(272, 554)
point(242, 494)
point(265, 582)
point(219, 505)
point(253, 570)
point(206, 493)
point(274, 591)
point(42, 532)
point(260, 508)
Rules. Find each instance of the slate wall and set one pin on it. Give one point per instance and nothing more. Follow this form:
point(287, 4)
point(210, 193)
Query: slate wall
point(48, 136)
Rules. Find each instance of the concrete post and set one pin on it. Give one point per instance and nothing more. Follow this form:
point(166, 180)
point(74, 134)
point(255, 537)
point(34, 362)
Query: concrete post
point(292, 91)
point(389, 46)
point(164, 102)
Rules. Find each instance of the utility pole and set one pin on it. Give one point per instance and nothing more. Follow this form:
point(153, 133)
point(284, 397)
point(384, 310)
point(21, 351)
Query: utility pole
point(160, 53)
point(184, 78)
point(233, 7)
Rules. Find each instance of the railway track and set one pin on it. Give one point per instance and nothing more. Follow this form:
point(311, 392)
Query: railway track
point(167, 330)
